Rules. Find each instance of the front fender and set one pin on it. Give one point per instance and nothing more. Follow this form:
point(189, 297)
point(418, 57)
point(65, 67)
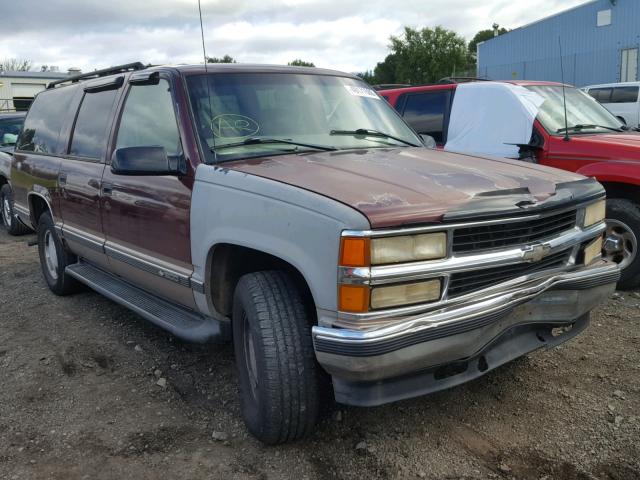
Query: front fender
point(295, 225)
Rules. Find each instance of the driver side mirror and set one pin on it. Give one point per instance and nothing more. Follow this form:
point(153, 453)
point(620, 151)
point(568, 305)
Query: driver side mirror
point(143, 161)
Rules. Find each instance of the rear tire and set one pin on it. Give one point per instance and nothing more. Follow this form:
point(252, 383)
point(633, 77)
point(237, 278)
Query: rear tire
point(54, 258)
point(277, 370)
point(9, 219)
point(623, 224)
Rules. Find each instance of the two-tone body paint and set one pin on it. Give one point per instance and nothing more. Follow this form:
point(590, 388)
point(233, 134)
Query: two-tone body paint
point(141, 228)
point(404, 186)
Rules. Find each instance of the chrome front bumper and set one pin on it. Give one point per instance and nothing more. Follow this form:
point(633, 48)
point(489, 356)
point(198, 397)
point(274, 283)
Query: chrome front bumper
point(457, 332)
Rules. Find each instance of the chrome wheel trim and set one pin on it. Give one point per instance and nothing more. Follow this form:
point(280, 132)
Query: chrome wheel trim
point(621, 243)
point(50, 255)
point(250, 356)
point(6, 211)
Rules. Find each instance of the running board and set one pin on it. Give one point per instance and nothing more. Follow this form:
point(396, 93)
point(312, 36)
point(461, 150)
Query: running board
point(181, 322)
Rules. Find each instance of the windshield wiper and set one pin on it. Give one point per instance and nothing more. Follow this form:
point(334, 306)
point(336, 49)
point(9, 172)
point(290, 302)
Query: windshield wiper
point(371, 133)
point(582, 126)
point(267, 141)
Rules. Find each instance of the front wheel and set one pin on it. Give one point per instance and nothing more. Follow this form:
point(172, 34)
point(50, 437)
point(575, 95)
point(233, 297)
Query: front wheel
point(277, 370)
point(621, 242)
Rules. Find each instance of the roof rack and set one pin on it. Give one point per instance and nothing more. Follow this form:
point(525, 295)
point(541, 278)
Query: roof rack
point(127, 67)
point(450, 80)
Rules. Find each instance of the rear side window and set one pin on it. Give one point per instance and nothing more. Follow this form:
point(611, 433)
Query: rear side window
point(603, 95)
point(149, 120)
point(425, 112)
point(44, 121)
point(624, 95)
point(89, 138)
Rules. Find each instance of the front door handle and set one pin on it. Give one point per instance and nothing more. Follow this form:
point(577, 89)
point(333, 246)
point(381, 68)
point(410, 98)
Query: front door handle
point(107, 189)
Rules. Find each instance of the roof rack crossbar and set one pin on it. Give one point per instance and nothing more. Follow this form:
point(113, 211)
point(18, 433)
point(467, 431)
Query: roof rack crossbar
point(447, 80)
point(127, 67)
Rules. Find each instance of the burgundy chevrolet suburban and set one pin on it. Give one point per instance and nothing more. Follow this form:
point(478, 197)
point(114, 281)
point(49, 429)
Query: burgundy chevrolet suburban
point(293, 211)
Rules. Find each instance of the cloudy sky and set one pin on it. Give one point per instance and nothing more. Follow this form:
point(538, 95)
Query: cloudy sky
point(349, 35)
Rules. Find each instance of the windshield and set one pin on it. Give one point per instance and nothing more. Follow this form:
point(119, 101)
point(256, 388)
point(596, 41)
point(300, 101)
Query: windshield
point(582, 110)
point(312, 110)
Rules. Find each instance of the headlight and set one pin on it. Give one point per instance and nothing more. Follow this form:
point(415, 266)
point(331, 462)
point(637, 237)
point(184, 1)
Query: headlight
point(595, 213)
point(405, 294)
point(409, 248)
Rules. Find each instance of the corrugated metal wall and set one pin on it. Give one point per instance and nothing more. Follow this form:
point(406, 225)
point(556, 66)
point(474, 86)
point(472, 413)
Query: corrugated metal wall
point(591, 54)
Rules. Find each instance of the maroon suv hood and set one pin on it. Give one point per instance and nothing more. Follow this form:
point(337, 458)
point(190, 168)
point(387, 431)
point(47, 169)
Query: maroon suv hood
point(400, 186)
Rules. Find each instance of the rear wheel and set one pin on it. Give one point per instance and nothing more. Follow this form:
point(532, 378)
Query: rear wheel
point(9, 219)
point(277, 370)
point(54, 258)
point(621, 243)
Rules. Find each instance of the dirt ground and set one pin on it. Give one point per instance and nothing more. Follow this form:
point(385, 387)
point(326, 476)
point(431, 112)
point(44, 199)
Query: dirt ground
point(89, 390)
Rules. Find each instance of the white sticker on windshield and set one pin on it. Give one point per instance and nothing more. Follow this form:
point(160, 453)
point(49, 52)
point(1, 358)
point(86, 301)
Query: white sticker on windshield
point(362, 92)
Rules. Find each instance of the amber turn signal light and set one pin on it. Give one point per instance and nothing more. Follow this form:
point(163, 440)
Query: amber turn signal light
point(355, 252)
point(353, 298)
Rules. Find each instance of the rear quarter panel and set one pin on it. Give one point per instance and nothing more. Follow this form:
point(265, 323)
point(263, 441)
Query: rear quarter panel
point(35, 174)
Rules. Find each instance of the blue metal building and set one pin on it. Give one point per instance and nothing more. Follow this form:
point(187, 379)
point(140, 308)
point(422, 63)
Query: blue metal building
point(600, 41)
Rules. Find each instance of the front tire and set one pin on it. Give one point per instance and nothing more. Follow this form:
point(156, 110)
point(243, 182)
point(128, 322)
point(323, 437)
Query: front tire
point(9, 219)
point(277, 370)
point(621, 244)
point(54, 258)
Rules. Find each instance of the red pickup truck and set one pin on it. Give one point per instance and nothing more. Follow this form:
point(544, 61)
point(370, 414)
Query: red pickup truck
point(526, 120)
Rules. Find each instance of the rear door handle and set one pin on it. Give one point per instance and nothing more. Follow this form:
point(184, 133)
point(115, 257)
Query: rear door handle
point(62, 179)
point(107, 189)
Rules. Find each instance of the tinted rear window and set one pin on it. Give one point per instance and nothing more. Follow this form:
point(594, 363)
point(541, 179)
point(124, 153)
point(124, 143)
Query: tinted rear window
point(624, 95)
point(425, 113)
point(44, 121)
point(89, 138)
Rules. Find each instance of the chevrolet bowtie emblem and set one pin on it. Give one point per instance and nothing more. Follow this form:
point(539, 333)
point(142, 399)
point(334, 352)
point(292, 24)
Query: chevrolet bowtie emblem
point(536, 252)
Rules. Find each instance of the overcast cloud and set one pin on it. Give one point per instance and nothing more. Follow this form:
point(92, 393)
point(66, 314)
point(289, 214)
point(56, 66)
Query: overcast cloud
point(346, 35)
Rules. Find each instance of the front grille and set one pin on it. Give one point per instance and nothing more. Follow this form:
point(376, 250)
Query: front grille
point(516, 233)
point(467, 282)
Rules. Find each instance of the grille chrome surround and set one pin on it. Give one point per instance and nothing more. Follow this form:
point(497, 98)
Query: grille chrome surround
point(570, 240)
point(462, 283)
point(494, 236)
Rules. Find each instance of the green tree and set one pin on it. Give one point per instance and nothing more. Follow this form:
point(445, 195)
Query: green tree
point(300, 63)
point(424, 56)
point(483, 36)
point(367, 76)
point(386, 71)
point(225, 59)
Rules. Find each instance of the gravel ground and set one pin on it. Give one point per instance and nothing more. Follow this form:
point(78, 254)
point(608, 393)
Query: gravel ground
point(90, 390)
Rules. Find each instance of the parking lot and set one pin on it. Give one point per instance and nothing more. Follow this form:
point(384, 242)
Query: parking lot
point(90, 390)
